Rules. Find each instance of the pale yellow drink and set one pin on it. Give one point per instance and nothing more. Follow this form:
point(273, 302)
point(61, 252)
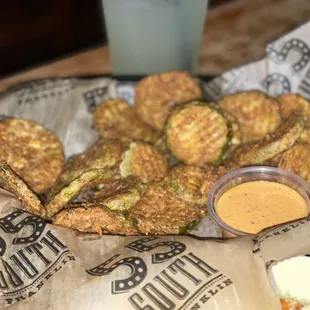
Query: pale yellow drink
point(149, 36)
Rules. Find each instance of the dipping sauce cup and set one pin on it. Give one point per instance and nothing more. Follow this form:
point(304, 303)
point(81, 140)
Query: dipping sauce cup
point(276, 180)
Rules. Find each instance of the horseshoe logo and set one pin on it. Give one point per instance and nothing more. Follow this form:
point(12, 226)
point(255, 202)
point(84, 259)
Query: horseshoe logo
point(2, 246)
point(137, 267)
point(276, 80)
point(35, 222)
point(293, 44)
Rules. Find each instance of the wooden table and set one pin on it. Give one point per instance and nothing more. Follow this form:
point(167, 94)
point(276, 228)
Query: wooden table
point(235, 33)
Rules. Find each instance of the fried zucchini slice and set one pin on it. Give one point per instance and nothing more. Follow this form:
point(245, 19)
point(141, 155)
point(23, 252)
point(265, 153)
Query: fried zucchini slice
point(117, 119)
point(118, 185)
point(236, 138)
point(121, 201)
point(159, 212)
point(185, 182)
point(72, 190)
point(34, 153)
point(122, 196)
point(211, 175)
point(222, 170)
point(294, 104)
point(102, 154)
point(156, 95)
point(95, 187)
point(297, 160)
point(257, 114)
point(94, 218)
point(144, 161)
point(279, 141)
point(161, 146)
point(100, 189)
point(197, 133)
point(305, 136)
point(274, 161)
point(12, 183)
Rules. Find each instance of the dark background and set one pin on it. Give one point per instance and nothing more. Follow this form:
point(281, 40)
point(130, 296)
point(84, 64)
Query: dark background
point(37, 31)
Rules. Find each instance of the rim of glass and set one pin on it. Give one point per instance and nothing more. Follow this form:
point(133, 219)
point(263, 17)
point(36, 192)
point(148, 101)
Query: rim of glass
point(299, 181)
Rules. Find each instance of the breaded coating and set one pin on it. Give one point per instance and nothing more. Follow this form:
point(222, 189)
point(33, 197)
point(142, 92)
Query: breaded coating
point(113, 186)
point(211, 175)
point(197, 134)
point(161, 146)
point(257, 114)
point(144, 161)
point(273, 161)
point(297, 160)
point(236, 138)
point(102, 154)
point(108, 187)
point(117, 119)
point(12, 183)
point(224, 169)
point(122, 195)
point(94, 218)
point(72, 190)
point(279, 141)
point(159, 212)
point(34, 153)
point(185, 182)
point(156, 95)
point(305, 136)
point(294, 103)
point(122, 200)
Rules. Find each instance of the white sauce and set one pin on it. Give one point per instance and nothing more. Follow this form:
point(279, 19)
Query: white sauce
point(292, 278)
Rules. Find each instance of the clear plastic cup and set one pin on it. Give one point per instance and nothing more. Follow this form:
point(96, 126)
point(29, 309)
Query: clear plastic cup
point(250, 174)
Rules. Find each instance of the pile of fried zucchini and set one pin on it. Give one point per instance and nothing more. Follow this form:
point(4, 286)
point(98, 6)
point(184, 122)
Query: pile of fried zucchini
point(153, 166)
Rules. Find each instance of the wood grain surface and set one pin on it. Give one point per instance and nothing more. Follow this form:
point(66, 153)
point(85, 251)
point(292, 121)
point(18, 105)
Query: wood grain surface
point(235, 33)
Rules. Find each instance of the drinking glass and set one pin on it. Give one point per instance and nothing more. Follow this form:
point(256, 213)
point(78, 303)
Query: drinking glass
point(149, 36)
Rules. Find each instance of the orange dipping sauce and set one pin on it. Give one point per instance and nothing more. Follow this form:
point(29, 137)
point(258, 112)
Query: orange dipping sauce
point(253, 206)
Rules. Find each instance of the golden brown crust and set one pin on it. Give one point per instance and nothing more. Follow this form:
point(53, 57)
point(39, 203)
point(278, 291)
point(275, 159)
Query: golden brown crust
point(161, 146)
point(120, 194)
point(279, 141)
point(257, 114)
point(156, 95)
point(144, 161)
point(116, 119)
point(198, 134)
point(11, 182)
point(294, 103)
point(94, 218)
point(33, 152)
point(305, 136)
point(297, 160)
point(185, 182)
point(224, 169)
point(273, 161)
point(69, 192)
point(159, 212)
point(103, 154)
point(211, 176)
point(235, 128)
